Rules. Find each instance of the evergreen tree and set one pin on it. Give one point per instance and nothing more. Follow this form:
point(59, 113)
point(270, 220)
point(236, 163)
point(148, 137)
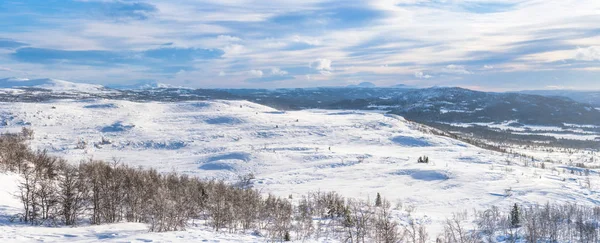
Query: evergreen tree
point(515, 216)
point(378, 200)
point(287, 236)
point(348, 218)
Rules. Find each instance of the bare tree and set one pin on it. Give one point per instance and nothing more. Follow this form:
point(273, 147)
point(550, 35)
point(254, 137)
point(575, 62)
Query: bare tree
point(72, 193)
point(386, 229)
point(455, 230)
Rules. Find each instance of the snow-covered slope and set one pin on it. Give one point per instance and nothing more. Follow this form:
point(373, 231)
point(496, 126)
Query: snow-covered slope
point(55, 85)
point(356, 153)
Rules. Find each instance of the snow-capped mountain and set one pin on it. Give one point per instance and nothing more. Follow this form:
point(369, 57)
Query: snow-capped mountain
point(141, 86)
point(55, 85)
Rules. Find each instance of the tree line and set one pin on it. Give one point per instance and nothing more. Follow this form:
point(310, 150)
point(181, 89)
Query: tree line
point(532, 223)
point(55, 192)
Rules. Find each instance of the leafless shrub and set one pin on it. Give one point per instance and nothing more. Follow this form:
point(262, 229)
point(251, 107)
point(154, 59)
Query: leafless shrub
point(27, 133)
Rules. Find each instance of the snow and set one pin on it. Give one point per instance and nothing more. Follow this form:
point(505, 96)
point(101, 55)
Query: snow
point(444, 111)
point(591, 136)
point(55, 85)
point(581, 126)
point(356, 153)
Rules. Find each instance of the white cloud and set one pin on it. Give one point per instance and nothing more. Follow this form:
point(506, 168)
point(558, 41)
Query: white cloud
point(256, 73)
point(456, 69)
point(591, 53)
point(233, 50)
point(488, 67)
point(307, 40)
point(277, 71)
point(321, 64)
point(222, 73)
point(228, 38)
point(421, 75)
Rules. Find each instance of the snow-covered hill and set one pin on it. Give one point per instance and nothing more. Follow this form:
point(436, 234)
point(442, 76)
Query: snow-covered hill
point(356, 153)
point(55, 85)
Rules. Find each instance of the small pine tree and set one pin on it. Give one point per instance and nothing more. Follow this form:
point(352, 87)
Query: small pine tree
point(378, 200)
point(348, 218)
point(287, 236)
point(515, 216)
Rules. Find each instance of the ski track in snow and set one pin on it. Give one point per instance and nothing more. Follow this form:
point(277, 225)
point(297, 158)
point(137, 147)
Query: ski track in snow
point(356, 153)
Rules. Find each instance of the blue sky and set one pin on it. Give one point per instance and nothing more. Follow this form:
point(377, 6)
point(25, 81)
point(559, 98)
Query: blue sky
point(480, 44)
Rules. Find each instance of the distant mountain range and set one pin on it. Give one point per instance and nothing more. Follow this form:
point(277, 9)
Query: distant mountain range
point(140, 85)
point(588, 97)
point(437, 104)
point(456, 110)
point(363, 85)
point(372, 85)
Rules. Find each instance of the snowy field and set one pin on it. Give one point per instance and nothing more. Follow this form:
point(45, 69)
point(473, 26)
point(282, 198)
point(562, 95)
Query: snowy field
point(356, 153)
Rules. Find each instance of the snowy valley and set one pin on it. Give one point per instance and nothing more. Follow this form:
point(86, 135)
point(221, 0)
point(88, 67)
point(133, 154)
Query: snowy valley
point(290, 153)
point(356, 153)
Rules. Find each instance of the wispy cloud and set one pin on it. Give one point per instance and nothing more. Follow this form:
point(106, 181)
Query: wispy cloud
point(456, 69)
point(162, 56)
point(10, 44)
point(123, 9)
